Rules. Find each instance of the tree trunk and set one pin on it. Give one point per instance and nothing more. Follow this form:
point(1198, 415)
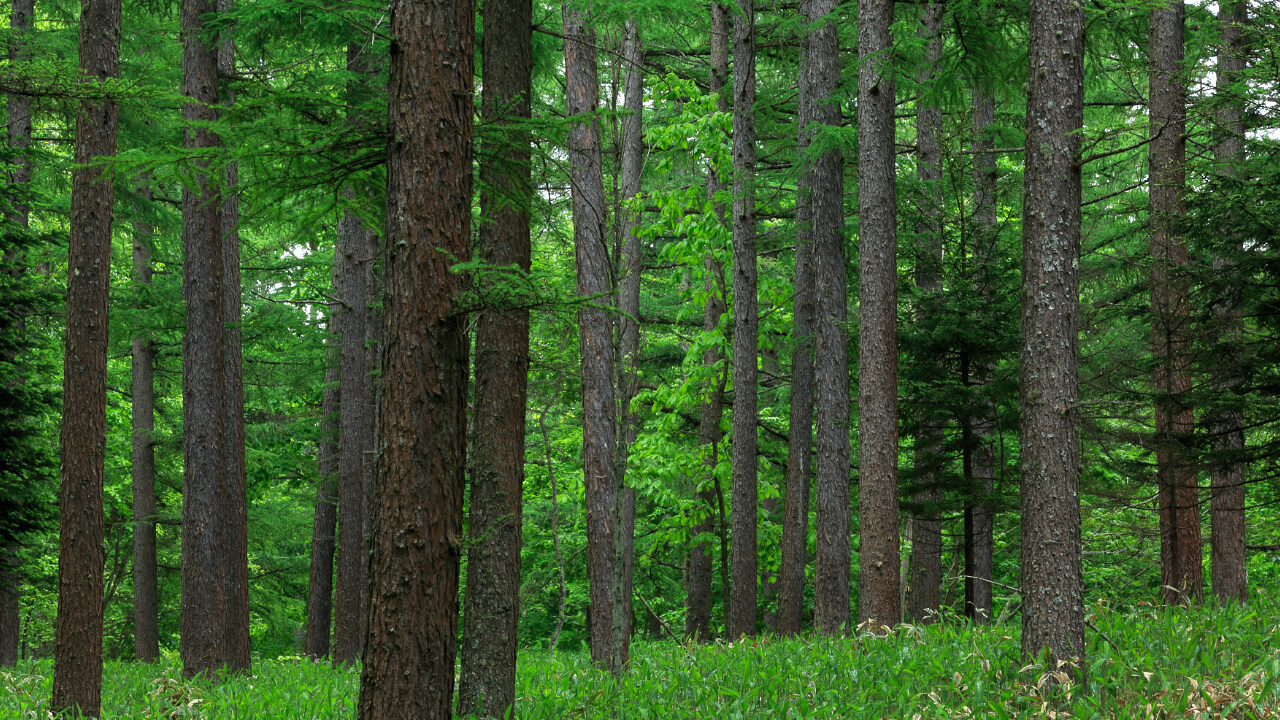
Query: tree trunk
point(10, 606)
point(417, 538)
point(598, 406)
point(1228, 565)
point(320, 579)
point(205, 600)
point(879, 585)
point(1180, 554)
point(1052, 554)
point(492, 601)
point(146, 602)
point(77, 670)
point(826, 188)
point(924, 589)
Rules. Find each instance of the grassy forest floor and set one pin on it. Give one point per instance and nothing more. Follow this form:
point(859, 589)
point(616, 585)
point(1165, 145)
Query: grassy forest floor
point(1153, 663)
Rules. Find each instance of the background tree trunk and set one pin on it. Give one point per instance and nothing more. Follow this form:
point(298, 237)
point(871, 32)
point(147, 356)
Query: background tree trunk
point(146, 601)
point(320, 578)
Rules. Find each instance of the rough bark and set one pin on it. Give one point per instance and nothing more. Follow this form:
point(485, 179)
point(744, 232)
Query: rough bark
point(146, 628)
point(203, 622)
point(416, 542)
point(492, 600)
point(826, 187)
point(320, 578)
point(594, 335)
point(10, 615)
point(77, 669)
point(1228, 564)
point(924, 589)
point(879, 584)
point(1052, 554)
point(740, 618)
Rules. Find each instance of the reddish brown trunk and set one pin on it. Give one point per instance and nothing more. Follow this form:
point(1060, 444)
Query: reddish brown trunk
point(320, 578)
point(146, 629)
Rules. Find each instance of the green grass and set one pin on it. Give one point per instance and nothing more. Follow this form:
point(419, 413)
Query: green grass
point(1155, 663)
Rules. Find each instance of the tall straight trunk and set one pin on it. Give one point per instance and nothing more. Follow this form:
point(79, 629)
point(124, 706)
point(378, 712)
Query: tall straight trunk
point(979, 459)
point(492, 601)
point(741, 616)
point(879, 583)
point(77, 665)
point(234, 489)
point(795, 509)
point(594, 336)
point(1052, 553)
point(825, 180)
point(203, 622)
point(416, 542)
point(1228, 565)
point(697, 621)
point(1181, 570)
point(356, 411)
point(21, 22)
point(320, 578)
point(146, 602)
point(924, 590)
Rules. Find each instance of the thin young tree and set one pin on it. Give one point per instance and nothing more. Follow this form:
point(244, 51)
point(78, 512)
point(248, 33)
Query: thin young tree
point(325, 519)
point(1052, 553)
point(416, 542)
point(146, 601)
point(878, 597)
point(77, 665)
point(492, 600)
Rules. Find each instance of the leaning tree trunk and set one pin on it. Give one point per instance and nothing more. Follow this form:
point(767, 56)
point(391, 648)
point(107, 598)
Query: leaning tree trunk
point(417, 538)
point(492, 601)
point(77, 668)
point(320, 578)
point(879, 583)
point(1052, 553)
point(146, 628)
point(740, 618)
point(1228, 565)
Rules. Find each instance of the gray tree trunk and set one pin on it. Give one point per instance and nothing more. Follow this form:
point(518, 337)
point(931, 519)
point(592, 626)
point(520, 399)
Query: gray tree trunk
point(146, 628)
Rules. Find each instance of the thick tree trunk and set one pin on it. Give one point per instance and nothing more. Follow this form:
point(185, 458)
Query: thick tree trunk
point(1181, 569)
point(826, 187)
point(924, 589)
point(417, 538)
point(1052, 553)
point(697, 621)
point(492, 600)
point(1228, 564)
point(320, 579)
point(357, 246)
point(204, 622)
point(77, 669)
point(879, 584)
point(741, 616)
point(146, 602)
point(599, 409)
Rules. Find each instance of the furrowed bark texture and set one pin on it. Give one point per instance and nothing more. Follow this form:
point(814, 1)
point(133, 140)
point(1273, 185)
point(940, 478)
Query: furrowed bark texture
point(77, 668)
point(879, 583)
point(598, 406)
point(924, 589)
point(741, 616)
point(320, 578)
point(492, 601)
point(205, 599)
point(1052, 574)
point(146, 602)
point(416, 545)
point(826, 187)
point(795, 506)
point(1228, 564)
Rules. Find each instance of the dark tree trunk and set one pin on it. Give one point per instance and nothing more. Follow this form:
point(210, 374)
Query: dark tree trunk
point(234, 490)
point(594, 336)
point(826, 187)
point(492, 600)
point(146, 601)
point(879, 584)
point(356, 409)
point(1228, 565)
point(740, 618)
point(77, 669)
point(697, 621)
point(320, 579)
point(1052, 554)
point(417, 538)
point(10, 615)
point(924, 590)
